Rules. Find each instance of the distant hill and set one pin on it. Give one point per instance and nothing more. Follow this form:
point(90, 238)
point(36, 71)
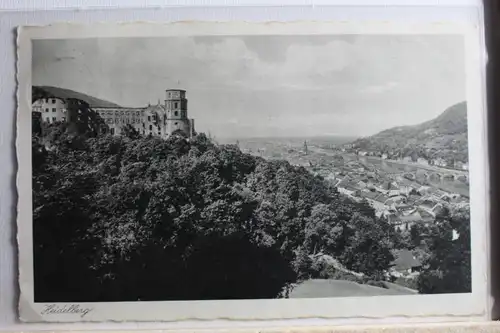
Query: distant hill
point(442, 137)
point(47, 92)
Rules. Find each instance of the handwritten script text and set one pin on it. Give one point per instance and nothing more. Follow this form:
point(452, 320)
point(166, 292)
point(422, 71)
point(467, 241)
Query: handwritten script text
point(52, 309)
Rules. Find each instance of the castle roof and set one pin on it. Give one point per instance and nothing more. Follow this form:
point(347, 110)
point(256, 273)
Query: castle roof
point(175, 90)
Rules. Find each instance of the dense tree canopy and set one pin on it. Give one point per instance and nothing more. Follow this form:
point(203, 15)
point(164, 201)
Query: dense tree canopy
point(131, 217)
point(448, 267)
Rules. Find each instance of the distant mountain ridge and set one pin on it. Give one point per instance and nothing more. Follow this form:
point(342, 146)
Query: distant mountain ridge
point(443, 137)
point(48, 91)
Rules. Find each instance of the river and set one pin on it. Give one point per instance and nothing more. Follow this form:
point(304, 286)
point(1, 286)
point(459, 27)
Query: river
point(445, 184)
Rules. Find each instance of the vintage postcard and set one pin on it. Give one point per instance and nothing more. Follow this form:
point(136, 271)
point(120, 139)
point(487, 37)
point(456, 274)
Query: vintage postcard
point(252, 171)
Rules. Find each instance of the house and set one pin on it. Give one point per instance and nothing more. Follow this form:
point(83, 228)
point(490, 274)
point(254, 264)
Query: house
point(437, 209)
point(449, 197)
point(426, 216)
point(404, 189)
point(405, 262)
point(361, 184)
point(423, 190)
point(407, 159)
point(436, 192)
point(388, 185)
point(430, 205)
point(382, 198)
point(422, 161)
point(404, 220)
point(409, 176)
point(398, 199)
point(440, 162)
point(349, 188)
point(371, 195)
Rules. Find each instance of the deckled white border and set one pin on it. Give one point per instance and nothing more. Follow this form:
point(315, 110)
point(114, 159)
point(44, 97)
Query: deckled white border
point(421, 308)
point(114, 4)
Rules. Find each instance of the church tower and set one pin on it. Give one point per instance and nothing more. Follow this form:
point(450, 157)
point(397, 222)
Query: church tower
point(176, 113)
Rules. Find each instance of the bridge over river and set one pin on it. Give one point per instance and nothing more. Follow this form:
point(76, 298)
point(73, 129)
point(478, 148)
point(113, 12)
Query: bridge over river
point(447, 179)
point(402, 167)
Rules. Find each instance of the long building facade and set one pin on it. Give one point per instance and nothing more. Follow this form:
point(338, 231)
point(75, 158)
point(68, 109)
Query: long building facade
point(163, 119)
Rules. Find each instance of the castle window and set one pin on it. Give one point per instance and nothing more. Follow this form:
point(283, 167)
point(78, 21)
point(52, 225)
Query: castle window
point(112, 131)
point(176, 123)
point(176, 105)
point(53, 101)
point(149, 118)
point(53, 119)
point(53, 109)
point(150, 127)
point(159, 133)
point(47, 110)
point(176, 113)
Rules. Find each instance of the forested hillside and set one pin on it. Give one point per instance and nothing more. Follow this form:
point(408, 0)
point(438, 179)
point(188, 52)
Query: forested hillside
point(141, 218)
point(443, 137)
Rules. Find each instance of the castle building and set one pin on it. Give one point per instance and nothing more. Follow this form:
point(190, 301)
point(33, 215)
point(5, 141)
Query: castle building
point(51, 109)
point(161, 120)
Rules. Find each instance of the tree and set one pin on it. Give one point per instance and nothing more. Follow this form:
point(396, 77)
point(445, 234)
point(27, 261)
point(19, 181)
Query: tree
point(448, 269)
point(415, 235)
point(369, 245)
point(144, 218)
point(180, 133)
point(130, 132)
point(232, 267)
point(322, 231)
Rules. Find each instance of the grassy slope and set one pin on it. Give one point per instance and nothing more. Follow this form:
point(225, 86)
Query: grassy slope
point(339, 288)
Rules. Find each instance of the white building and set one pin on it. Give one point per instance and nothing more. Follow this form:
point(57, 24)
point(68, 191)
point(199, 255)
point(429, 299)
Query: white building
point(160, 120)
point(51, 109)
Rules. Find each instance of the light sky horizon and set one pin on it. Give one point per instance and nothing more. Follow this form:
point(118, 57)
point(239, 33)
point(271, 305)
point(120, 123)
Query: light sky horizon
point(265, 86)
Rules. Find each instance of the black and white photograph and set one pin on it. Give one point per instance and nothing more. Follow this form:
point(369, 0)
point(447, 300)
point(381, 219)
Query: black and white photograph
point(217, 167)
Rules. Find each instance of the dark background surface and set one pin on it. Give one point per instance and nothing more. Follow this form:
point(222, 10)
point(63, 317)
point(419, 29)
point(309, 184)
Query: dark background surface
point(492, 23)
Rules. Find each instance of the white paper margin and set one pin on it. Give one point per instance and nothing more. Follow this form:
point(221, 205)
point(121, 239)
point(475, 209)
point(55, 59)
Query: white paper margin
point(419, 308)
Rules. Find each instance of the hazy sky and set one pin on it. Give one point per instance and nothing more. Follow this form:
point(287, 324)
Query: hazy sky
point(248, 86)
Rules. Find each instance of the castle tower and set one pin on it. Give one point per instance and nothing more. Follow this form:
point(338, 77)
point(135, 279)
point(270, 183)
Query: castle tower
point(176, 113)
